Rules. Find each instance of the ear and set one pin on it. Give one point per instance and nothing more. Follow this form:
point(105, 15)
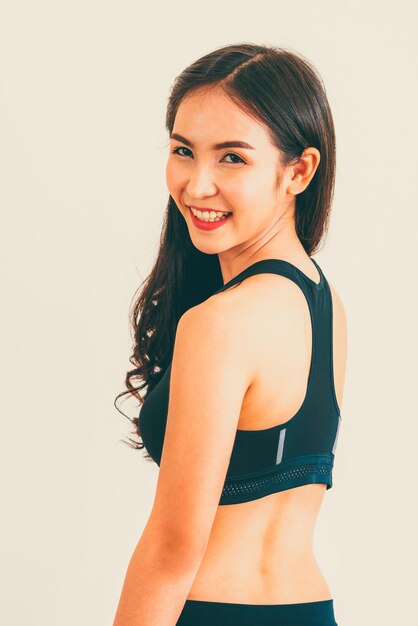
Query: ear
point(303, 171)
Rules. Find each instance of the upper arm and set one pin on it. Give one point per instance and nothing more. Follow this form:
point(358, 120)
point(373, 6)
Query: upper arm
point(210, 374)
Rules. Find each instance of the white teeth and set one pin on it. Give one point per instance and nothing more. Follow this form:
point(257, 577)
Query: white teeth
point(209, 216)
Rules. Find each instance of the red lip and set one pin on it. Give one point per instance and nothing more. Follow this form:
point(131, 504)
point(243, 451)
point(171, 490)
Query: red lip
point(208, 226)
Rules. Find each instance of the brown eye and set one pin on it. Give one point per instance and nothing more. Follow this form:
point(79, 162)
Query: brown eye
point(176, 151)
point(234, 155)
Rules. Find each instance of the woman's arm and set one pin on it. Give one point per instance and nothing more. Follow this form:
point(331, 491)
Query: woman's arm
point(210, 374)
point(157, 582)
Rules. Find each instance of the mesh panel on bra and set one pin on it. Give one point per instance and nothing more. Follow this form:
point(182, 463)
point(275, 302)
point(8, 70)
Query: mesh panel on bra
point(298, 471)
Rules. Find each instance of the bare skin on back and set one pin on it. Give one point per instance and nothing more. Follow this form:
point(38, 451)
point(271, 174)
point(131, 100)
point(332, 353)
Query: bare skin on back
point(261, 552)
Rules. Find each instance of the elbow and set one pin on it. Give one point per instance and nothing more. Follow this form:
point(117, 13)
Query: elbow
point(169, 551)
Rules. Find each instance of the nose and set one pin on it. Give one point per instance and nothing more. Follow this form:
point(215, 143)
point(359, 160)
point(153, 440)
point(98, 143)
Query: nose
point(201, 183)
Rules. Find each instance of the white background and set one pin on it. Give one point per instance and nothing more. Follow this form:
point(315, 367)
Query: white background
point(84, 87)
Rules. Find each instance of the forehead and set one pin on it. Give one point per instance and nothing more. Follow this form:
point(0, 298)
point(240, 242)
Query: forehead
point(206, 117)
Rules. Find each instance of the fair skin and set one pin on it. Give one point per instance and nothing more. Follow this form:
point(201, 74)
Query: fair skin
point(260, 191)
point(257, 552)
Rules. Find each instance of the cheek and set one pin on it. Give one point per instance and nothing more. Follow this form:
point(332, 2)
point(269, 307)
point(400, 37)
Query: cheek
point(249, 193)
point(169, 176)
point(173, 177)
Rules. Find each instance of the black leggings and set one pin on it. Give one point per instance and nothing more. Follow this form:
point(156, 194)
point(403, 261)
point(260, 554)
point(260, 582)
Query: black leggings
point(205, 613)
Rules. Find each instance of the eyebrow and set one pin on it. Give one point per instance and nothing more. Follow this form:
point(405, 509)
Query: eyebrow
point(216, 146)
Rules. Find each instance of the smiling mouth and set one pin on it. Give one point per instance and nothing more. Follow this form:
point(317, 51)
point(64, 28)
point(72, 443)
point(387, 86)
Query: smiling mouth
point(208, 213)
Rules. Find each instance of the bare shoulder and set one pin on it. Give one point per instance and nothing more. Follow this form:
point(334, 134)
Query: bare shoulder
point(270, 309)
point(254, 289)
point(264, 298)
point(261, 309)
point(252, 299)
point(217, 329)
point(229, 326)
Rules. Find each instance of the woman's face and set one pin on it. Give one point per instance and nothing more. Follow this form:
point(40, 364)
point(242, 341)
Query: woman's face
point(247, 180)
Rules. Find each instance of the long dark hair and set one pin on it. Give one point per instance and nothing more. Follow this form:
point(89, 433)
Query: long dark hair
point(277, 87)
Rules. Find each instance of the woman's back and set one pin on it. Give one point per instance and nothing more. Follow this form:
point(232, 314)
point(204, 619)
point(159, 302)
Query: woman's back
point(262, 544)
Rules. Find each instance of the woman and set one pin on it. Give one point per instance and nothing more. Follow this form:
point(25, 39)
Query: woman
point(241, 342)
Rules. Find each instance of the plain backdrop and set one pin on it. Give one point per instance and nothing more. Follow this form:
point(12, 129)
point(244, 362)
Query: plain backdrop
point(84, 88)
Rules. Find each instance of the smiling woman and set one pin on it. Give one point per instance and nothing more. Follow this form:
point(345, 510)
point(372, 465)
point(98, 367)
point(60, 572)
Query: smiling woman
point(240, 342)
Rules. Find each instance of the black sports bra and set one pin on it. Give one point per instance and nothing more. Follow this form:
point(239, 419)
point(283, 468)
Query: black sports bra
point(297, 452)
